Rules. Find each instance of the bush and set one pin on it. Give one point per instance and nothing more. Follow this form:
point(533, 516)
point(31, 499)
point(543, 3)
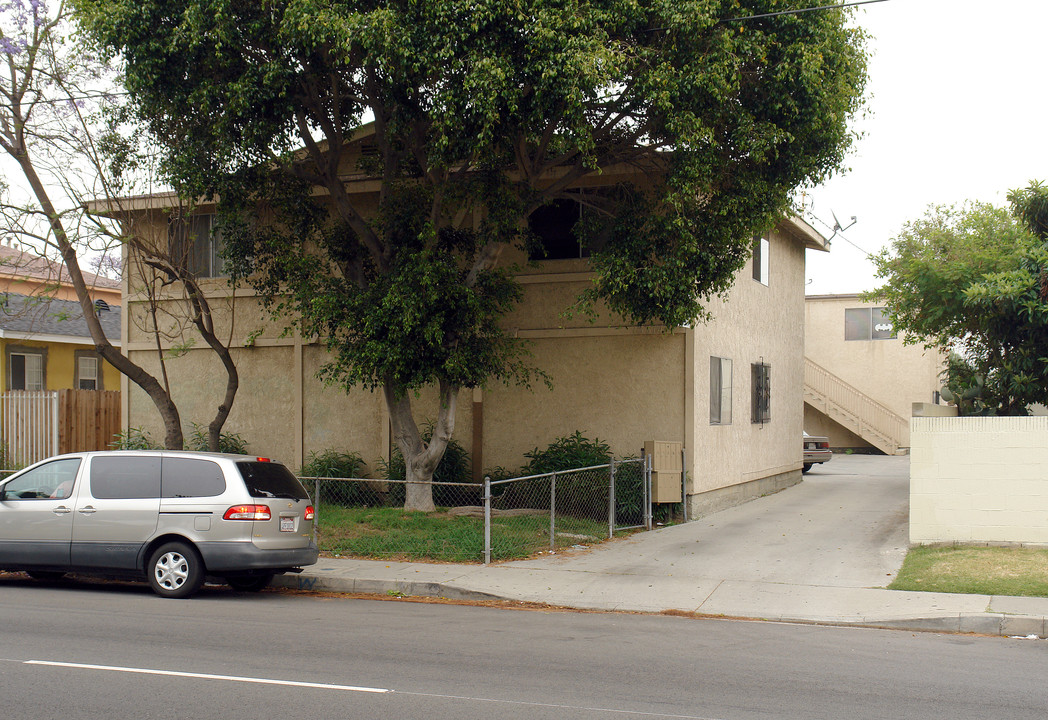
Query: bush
point(567, 453)
point(227, 442)
point(335, 464)
point(133, 439)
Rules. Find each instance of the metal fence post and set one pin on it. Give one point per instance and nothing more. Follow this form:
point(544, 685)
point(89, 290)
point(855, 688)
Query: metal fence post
point(611, 499)
point(316, 511)
point(552, 511)
point(487, 520)
point(647, 492)
point(684, 482)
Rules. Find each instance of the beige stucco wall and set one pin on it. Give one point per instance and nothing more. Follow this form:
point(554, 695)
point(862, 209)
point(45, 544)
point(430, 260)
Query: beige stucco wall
point(979, 480)
point(894, 374)
point(622, 384)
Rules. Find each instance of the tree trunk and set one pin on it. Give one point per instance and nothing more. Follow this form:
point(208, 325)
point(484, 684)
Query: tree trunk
point(420, 458)
point(157, 393)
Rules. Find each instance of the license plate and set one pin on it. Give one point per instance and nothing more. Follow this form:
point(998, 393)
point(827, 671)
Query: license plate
point(287, 524)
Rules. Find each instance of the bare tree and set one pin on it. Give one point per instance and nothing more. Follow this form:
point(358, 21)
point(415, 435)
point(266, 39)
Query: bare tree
point(60, 124)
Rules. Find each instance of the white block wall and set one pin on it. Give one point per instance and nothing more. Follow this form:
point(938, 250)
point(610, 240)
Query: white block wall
point(979, 480)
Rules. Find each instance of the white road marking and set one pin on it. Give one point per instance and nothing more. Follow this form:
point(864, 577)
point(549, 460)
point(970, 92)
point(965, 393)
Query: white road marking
point(354, 688)
point(206, 676)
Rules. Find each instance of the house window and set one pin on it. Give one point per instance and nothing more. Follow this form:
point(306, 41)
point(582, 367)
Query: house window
point(88, 371)
point(26, 370)
point(761, 392)
point(868, 324)
point(196, 245)
point(554, 226)
point(760, 259)
point(720, 391)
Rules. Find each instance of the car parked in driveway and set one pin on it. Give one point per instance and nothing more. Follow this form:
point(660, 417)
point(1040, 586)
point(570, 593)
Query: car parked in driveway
point(171, 518)
point(816, 450)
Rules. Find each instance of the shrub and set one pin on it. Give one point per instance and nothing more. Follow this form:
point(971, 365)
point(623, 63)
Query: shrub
point(332, 463)
point(335, 464)
point(133, 439)
point(227, 442)
point(567, 453)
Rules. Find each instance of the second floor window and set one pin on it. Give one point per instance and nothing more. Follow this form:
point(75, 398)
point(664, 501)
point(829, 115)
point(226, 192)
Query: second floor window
point(868, 324)
point(196, 245)
point(761, 248)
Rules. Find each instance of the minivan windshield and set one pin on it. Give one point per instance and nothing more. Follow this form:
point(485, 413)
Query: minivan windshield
point(271, 480)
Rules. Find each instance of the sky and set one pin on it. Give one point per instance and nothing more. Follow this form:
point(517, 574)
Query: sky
point(958, 111)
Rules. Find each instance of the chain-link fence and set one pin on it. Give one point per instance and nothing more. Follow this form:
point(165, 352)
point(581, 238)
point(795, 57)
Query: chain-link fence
point(498, 520)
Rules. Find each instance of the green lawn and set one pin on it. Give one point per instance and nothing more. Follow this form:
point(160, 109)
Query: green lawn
point(393, 534)
point(975, 570)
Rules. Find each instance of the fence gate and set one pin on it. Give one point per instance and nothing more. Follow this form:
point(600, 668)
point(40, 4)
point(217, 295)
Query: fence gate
point(29, 420)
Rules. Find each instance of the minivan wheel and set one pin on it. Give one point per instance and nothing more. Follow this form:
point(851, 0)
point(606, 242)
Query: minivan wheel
point(249, 583)
point(175, 570)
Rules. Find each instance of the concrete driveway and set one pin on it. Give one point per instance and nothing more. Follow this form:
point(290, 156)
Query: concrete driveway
point(844, 526)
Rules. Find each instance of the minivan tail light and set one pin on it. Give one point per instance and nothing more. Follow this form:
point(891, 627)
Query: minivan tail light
point(248, 512)
point(310, 513)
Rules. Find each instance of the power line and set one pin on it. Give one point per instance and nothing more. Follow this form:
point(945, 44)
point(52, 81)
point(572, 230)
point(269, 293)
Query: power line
point(803, 10)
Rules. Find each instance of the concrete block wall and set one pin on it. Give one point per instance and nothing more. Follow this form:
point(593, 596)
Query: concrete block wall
point(979, 480)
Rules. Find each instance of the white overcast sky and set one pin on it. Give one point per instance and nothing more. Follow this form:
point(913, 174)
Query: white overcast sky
point(959, 106)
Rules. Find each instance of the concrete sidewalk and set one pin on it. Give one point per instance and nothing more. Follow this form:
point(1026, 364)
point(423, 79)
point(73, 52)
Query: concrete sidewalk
point(820, 552)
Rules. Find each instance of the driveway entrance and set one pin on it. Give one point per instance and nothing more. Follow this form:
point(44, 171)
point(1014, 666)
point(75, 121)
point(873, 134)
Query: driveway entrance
point(846, 525)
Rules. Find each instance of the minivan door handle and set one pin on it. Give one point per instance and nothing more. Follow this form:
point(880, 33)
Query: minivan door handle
point(86, 510)
point(61, 510)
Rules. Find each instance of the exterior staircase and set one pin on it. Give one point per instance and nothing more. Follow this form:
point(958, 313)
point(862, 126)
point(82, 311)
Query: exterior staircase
point(854, 410)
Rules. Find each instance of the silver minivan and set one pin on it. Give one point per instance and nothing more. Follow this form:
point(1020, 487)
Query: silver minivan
point(174, 517)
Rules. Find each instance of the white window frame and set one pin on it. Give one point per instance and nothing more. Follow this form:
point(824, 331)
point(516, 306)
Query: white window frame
point(87, 368)
point(34, 376)
point(720, 390)
point(761, 259)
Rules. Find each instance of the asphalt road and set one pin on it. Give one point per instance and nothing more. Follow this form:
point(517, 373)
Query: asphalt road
point(115, 651)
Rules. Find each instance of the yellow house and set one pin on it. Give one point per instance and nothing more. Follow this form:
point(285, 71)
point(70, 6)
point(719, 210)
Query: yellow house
point(729, 391)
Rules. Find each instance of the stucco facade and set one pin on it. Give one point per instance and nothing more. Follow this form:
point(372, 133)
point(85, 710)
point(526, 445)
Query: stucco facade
point(876, 362)
point(622, 384)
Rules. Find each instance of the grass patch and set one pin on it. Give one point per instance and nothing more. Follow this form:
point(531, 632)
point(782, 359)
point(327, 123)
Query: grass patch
point(975, 570)
point(393, 534)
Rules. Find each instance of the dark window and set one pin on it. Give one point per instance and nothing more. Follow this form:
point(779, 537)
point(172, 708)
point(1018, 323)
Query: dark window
point(125, 477)
point(268, 480)
point(185, 477)
point(868, 324)
point(720, 391)
point(554, 225)
point(761, 381)
point(196, 245)
point(53, 480)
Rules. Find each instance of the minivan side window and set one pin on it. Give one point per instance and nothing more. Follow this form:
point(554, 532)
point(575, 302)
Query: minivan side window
point(53, 480)
point(184, 478)
point(125, 477)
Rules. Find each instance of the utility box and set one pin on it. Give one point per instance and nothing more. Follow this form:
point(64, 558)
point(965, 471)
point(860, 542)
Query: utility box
point(667, 467)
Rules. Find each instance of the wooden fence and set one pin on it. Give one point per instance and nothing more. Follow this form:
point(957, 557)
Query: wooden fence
point(36, 425)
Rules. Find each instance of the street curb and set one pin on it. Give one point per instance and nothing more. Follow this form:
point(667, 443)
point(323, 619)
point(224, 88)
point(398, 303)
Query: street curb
point(319, 583)
point(998, 624)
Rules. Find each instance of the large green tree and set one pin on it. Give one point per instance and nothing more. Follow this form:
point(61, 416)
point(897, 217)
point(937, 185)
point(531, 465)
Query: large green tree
point(974, 281)
point(483, 111)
